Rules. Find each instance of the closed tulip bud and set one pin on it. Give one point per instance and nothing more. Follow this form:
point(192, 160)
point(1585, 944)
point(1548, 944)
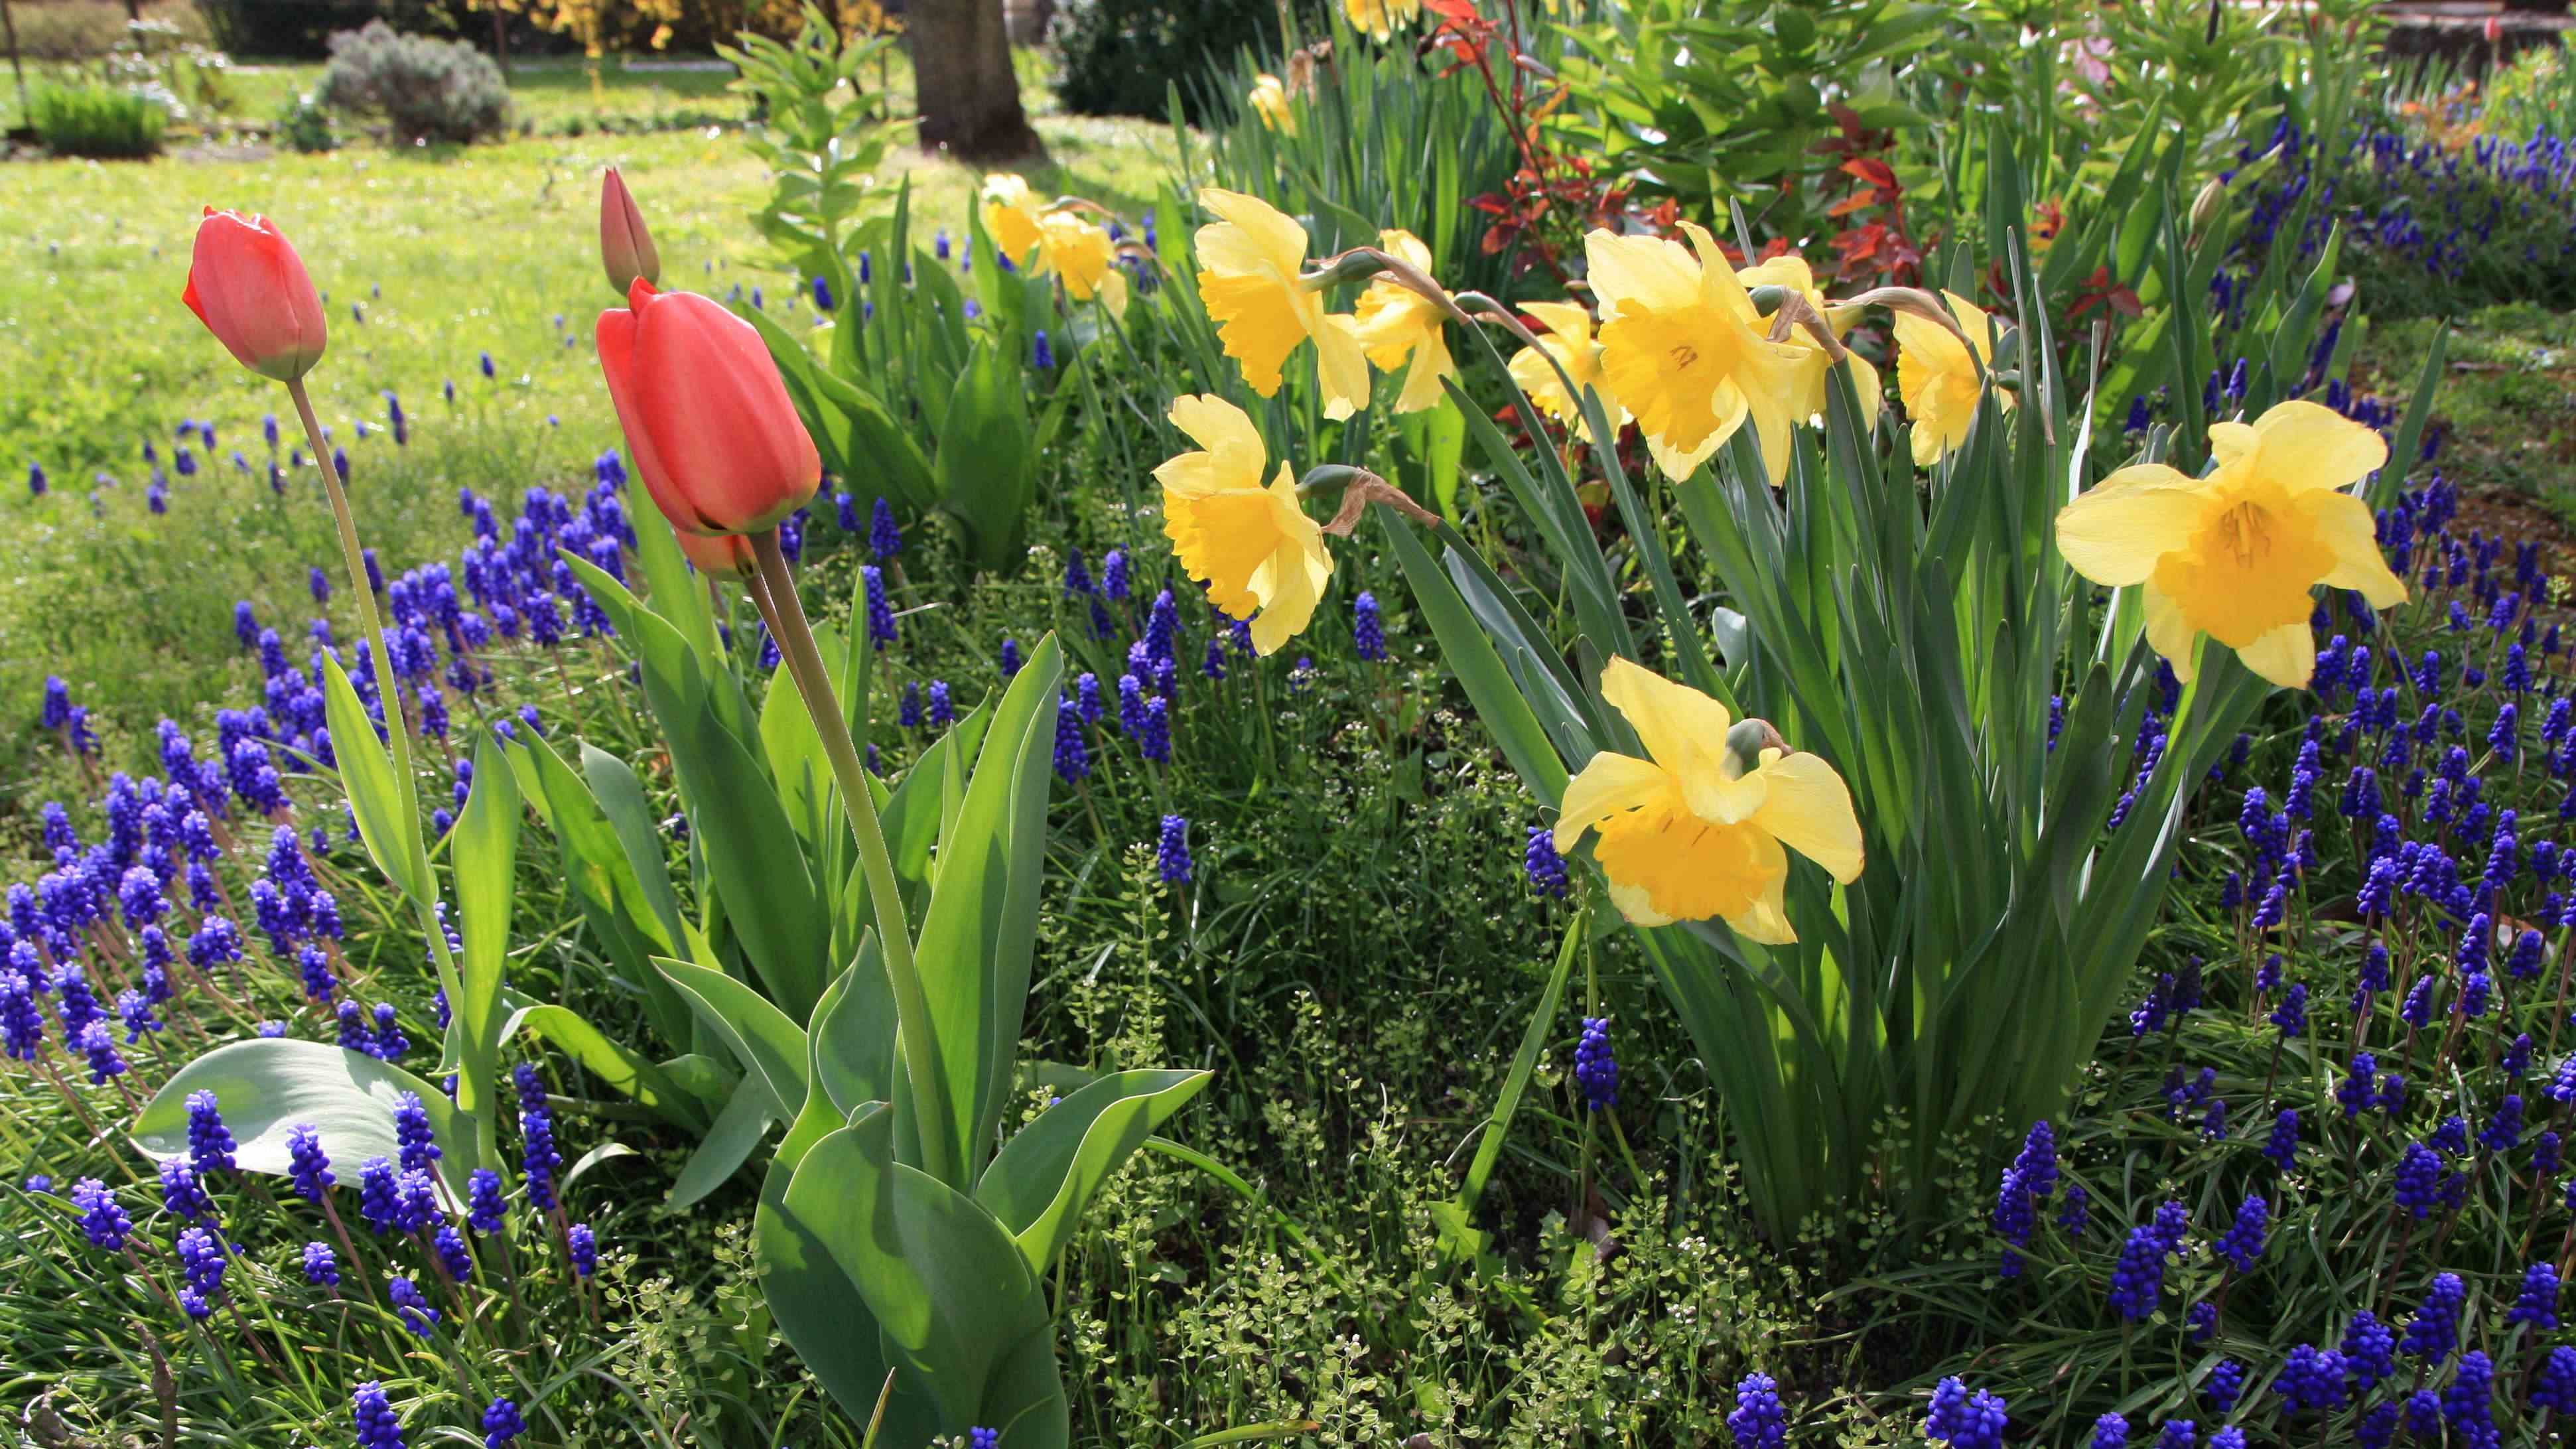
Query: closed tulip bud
point(248, 286)
point(706, 416)
point(625, 246)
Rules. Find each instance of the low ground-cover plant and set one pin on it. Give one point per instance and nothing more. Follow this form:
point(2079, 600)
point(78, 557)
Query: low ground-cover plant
point(110, 122)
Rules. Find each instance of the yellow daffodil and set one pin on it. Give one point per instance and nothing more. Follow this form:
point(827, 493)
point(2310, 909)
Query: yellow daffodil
point(1684, 349)
point(1251, 545)
point(1080, 252)
point(2234, 554)
point(1793, 274)
point(1568, 339)
point(1010, 214)
point(1251, 266)
point(1397, 323)
point(1378, 19)
point(1270, 102)
point(1938, 380)
point(1697, 829)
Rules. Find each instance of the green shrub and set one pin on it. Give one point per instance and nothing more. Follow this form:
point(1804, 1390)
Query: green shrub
point(1121, 56)
point(427, 90)
point(306, 126)
point(109, 122)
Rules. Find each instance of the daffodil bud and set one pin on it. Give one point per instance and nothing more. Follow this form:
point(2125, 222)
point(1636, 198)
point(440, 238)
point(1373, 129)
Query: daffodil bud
point(1745, 744)
point(2204, 207)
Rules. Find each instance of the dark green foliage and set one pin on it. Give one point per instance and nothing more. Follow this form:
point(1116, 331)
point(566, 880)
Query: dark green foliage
point(1123, 57)
point(100, 121)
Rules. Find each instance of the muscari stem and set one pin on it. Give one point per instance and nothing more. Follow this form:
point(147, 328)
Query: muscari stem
point(912, 1006)
point(487, 1142)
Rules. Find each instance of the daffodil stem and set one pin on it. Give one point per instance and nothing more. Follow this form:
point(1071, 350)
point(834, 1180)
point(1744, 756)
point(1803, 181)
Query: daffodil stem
point(912, 1005)
point(478, 1090)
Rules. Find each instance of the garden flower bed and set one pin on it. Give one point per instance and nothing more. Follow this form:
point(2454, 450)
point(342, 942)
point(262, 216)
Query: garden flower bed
point(1456, 758)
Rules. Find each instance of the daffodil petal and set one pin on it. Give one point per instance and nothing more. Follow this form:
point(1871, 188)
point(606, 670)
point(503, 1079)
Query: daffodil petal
point(2115, 531)
point(2316, 447)
point(1683, 730)
point(2170, 634)
point(2346, 525)
point(2287, 656)
point(1234, 448)
point(1809, 809)
point(1646, 270)
point(1609, 784)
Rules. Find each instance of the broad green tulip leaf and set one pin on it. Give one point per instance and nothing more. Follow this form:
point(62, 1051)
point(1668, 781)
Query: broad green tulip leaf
point(770, 1046)
point(268, 1086)
point(818, 1309)
point(678, 591)
point(912, 817)
point(1043, 1178)
point(727, 1146)
point(599, 870)
point(987, 466)
point(388, 816)
point(623, 1068)
point(958, 1307)
point(977, 936)
point(852, 1036)
point(620, 797)
point(484, 854)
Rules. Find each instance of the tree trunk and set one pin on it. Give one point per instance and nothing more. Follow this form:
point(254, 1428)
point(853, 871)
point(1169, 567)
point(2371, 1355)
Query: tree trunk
point(16, 66)
point(969, 97)
point(501, 41)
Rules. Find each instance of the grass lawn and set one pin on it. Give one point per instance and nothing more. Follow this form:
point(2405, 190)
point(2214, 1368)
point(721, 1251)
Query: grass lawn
point(427, 260)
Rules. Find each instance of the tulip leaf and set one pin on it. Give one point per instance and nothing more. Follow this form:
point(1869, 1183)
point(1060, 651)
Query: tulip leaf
point(620, 798)
point(621, 1067)
point(817, 1308)
point(956, 1304)
point(1043, 1178)
point(727, 1146)
point(852, 1035)
point(987, 468)
point(617, 904)
point(770, 1046)
point(977, 937)
point(387, 814)
point(678, 592)
point(484, 854)
point(270, 1085)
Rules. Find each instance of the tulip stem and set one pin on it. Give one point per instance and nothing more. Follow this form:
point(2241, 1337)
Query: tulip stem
point(786, 613)
point(487, 1143)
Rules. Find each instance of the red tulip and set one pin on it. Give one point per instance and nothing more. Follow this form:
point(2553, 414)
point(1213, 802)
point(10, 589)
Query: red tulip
point(706, 416)
point(248, 286)
point(723, 555)
point(625, 246)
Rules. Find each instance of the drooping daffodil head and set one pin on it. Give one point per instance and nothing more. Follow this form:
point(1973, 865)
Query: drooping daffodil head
point(1939, 380)
point(1701, 828)
point(1010, 213)
point(1684, 348)
point(1378, 19)
point(2234, 554)
point(1269, 100)
point(1081, 253)
point(1258, 553)
point(1791, 273)
point(1252, 280)
point(1566, 336)
point(1398, 325)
